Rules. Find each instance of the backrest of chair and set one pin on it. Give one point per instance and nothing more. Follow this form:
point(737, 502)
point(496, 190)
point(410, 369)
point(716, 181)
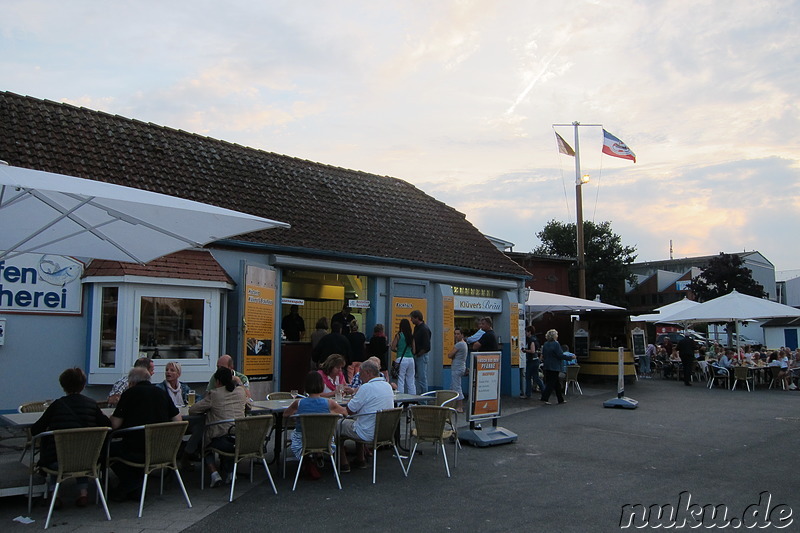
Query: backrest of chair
point(34, 407)
point(279, 396)
point(162, 442)
point(776, 371)
point(318, 430)
point(251, 432)
point(739, 372)
point(78, 450)
point(443, 397)
point(429, 421)
point(572, 371)
point(386, 422)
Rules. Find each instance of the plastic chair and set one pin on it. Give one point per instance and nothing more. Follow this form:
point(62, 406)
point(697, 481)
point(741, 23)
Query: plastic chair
point(162, 442)
point(572, 377)
point(741, 373)
point(718, 373)
point(78, 452)
point(251, 436)
point(387, 422)
point(318, 432)
point(776, 377)
point(31, 407)
point(429, 426)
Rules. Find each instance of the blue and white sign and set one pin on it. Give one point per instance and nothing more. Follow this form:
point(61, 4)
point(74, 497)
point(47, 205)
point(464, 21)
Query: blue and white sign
point(36, 283)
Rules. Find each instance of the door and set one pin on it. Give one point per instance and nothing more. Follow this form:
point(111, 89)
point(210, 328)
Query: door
point(790, 336)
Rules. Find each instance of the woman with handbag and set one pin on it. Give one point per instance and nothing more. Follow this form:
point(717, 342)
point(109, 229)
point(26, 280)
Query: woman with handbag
point(403, 365)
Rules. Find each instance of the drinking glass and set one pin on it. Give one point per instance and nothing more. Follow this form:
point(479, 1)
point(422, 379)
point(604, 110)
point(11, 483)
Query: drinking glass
point(293, 393)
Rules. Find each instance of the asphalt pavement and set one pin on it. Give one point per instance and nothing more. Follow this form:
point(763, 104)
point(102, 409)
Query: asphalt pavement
point(574, 468)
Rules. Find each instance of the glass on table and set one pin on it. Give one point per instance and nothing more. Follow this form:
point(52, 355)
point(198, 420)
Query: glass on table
point(294, 393)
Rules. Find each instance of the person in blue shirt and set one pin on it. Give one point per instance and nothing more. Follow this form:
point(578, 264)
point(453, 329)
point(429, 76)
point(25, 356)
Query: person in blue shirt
point(553, 355)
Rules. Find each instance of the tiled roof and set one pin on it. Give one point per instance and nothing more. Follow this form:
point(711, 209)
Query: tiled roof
point(187, 264)
point(331, 210)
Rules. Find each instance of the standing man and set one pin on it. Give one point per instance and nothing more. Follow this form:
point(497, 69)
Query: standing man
point(293, 325)
point(686, 352)
point(343, 317)
point(422, 345)
point(488, 341)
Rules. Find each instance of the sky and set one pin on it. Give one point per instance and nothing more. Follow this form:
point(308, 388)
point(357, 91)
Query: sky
point(460, 98)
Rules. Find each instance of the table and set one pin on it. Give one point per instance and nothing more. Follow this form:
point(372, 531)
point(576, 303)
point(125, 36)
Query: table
point(26, 420)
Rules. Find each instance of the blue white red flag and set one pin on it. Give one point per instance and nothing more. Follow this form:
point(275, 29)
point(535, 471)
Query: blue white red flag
point(614, 147)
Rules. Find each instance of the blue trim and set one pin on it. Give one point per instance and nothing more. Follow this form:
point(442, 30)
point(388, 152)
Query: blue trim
point(272, 248)
point(87, 364)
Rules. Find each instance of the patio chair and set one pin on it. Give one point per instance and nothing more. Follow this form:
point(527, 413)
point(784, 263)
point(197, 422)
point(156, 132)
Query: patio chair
point(741, 373)
point(387, 423)
point(572, 377)
point(318, 431)
point(442, 398)
point(251, 436)
point(718, 373)
point(429, 426)
point(776, 377)
point(31, 407)
point(78, 452)
point(162, 442)
point(279, 396)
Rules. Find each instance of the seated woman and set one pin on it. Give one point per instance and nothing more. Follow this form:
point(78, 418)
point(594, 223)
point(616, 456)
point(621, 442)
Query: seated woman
point(332, 375)
point(226, 401)
point(71, 411)
point(315, 403)
point(177, 390)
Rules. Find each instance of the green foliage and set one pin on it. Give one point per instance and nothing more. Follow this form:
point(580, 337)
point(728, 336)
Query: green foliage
point(723, 274)
point(607, 260)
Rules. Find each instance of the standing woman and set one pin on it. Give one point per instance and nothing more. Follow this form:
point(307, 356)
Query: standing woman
point(553, 356)
point(458, 367)
point(403, 344)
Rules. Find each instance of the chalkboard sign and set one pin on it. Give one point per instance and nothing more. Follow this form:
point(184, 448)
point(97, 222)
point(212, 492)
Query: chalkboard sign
point(638, 342)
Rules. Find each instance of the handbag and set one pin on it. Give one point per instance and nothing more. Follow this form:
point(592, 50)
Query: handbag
point(394, 373)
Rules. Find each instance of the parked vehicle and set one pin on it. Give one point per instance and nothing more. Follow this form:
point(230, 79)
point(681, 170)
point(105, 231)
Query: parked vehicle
point(676, 337)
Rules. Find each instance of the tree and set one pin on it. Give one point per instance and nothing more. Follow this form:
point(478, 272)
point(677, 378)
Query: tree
point(607, 260)
point(723, 274)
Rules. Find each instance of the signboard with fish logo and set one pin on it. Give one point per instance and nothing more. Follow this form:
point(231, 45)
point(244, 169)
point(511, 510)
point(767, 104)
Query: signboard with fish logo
point(43, 284)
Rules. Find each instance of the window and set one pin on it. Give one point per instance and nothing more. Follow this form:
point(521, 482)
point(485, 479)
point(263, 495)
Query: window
point(164, 322)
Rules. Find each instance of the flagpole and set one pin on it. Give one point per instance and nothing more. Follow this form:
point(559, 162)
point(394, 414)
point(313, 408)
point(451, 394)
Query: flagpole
point(579, 221)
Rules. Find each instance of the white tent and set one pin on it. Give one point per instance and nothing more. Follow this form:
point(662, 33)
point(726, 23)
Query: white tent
point(664, 311)
point(733, 307)
point(543, 302)
point(44, 212)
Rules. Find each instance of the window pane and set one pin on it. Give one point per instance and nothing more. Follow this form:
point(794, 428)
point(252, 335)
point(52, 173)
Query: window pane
point(171, 328)
point(108, 326)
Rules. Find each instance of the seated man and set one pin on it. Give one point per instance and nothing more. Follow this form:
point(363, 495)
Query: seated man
point(226, 361)
point(142, 403)
point(122, 383)
point(356, 382)
point(374, 395)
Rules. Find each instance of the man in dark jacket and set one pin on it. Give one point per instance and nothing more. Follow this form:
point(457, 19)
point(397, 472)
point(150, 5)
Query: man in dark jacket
point(333, 342)
point(686, 352)
point(422, 345)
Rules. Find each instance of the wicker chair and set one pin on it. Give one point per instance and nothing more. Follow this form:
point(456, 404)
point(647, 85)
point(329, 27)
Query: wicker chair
point(318, 432)
point(718, 373)
point(777, 379)
point(572, 377)
point(741, 373)
point(441, 399)
point(31, 407)
point(429, 426)
point(78, 452)
point(279, 396)
point(387, 423)
point(251, 436)
point(161, 450)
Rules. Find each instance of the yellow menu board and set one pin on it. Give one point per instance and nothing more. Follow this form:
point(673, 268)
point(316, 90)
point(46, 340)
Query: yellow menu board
point(448, 324)
point(259, 323)
point(516, 343)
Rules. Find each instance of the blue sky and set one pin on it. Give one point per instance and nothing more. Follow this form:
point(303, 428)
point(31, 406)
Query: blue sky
point(459, 98)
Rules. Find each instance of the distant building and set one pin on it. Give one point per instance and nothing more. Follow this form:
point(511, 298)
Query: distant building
point(664, 282)
point(550, 273)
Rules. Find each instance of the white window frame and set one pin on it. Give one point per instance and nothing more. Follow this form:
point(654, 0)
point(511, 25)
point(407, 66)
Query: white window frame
point(127, 345)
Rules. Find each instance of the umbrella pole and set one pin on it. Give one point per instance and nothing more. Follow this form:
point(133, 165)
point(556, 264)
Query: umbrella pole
point(621, 400)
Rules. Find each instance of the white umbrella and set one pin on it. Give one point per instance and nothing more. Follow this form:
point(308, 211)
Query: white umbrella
point(543, 302)
point(664, 311)
point(44, 212)
point(733, 307)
